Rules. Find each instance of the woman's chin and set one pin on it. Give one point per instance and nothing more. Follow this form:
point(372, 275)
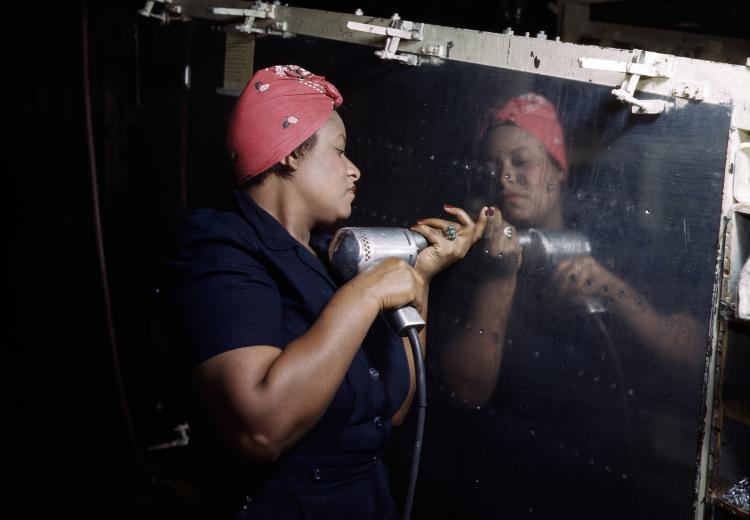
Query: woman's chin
point(346, 213)
point(336, 217)
point(518, 219)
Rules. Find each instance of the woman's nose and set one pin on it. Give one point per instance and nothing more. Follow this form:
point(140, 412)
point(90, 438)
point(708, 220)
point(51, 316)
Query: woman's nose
point(352, 170)
point(511, 176)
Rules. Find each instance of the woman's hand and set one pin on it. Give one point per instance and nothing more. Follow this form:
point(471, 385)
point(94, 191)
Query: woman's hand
point(500, 245)
point(442, 252)
point(391, 283)
point(581, 277)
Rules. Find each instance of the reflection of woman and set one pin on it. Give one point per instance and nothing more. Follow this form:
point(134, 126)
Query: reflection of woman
point(296, 382)
point(543, 369)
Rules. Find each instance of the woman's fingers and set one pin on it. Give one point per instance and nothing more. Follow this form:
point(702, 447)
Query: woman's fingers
point(583, 276)
point(481, 223)
point(433, 232)
point(475, 230)
point(566, 277)
point(439, 225)
point(465, 228)
point(500, 234)
point(460, 214)
point(395, 282)
point(500, 243)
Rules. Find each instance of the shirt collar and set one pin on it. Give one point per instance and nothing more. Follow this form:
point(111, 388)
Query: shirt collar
point(269, 230)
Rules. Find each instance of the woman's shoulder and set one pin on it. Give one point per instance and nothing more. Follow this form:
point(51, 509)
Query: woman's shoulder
point(207, 226)
point(208, 239)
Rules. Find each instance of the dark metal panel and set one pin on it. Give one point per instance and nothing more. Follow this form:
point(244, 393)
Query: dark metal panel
point(592, 413)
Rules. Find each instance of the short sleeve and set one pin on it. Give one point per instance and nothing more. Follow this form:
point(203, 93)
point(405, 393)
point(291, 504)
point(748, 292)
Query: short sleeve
point(221, 298)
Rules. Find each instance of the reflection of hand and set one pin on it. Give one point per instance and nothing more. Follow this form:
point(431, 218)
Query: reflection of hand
point(582, 277)
point(443, 252)
point(501, 245)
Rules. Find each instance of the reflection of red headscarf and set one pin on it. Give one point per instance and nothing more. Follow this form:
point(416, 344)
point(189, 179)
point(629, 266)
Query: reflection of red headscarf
point(536, 115)
point(279, 109)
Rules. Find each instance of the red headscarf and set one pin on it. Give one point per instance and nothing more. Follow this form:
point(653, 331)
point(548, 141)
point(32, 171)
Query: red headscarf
point(537, 116)
point(279, 109)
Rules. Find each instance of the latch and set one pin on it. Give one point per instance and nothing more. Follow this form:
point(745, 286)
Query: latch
point(170, 12)
point(647, 64)
point(396, 31)
point(259, 10)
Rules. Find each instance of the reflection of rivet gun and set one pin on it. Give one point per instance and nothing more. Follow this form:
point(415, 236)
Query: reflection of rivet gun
point(548, 247)
point(545, 248)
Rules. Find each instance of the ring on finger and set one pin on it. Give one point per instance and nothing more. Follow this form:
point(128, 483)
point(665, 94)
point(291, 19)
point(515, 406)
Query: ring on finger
point(508, 232)
point(450, 232)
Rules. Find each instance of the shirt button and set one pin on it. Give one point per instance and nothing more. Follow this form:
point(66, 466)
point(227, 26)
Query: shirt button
point(378, 422)
point(317, 474)
point(374, 374)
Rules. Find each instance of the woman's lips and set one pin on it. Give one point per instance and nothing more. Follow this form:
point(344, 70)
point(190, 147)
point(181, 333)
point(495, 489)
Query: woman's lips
point(511, 197)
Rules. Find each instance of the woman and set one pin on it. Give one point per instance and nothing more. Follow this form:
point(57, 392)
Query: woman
point(296, 383)
point(537, 364)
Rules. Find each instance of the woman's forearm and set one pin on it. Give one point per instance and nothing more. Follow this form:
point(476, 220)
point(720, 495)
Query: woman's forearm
point(302, 381)
point(672, 337)
point(470, 363)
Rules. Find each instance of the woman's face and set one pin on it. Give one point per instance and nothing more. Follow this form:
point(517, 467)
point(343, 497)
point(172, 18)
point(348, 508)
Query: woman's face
point(326, 177)
point(529, 181)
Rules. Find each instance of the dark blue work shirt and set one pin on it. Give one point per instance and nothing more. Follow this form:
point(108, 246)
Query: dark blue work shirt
point(240, 279)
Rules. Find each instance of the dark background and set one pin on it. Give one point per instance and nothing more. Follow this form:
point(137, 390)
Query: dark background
point(71, 446)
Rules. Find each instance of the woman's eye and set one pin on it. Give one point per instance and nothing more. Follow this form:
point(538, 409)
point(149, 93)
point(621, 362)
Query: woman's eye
point(519, 162)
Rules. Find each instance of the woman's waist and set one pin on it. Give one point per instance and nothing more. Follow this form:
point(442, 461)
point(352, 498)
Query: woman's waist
point(314, 473)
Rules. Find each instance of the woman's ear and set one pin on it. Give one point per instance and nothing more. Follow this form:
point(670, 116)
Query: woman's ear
point(291, 161)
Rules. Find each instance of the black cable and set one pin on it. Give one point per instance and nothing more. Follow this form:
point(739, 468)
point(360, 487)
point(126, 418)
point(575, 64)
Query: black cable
point(416, 348)
point(614, 355)
point(100, 240)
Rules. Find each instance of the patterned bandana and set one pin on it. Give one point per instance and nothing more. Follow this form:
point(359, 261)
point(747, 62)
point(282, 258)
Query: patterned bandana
point(279, 109)
point(536, 115)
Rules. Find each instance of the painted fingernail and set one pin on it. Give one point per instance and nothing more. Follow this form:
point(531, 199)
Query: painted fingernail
point(448, 206)
point(489, 212)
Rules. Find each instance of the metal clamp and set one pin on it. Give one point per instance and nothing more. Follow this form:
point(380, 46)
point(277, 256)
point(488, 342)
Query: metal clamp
point(683, 90)
point(399, 30)
point(182, 440)
point(259, 10)
point(643, 64)
point(170, 12)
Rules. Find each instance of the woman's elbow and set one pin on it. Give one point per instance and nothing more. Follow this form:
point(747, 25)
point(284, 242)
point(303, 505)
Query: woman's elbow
point(256, 447)
point(472, 394)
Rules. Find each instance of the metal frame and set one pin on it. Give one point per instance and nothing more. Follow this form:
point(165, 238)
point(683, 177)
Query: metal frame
point(722, 83)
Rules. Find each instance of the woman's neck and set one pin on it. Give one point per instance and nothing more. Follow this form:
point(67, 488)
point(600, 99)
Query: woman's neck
point(285, 210)
point(553, 221)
